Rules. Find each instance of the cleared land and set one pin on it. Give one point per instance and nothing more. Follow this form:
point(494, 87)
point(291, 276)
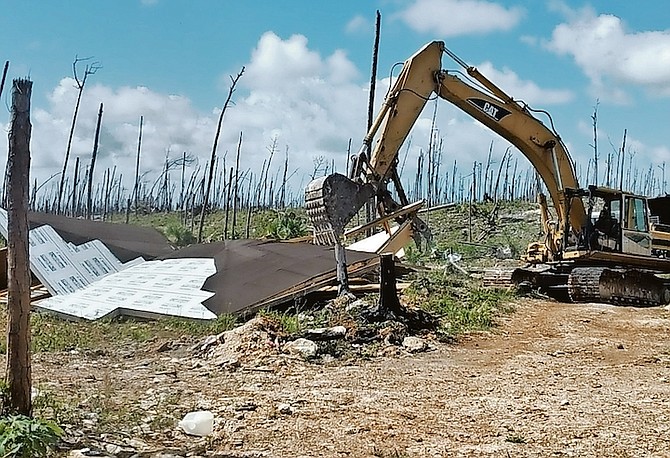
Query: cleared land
point(552, 380)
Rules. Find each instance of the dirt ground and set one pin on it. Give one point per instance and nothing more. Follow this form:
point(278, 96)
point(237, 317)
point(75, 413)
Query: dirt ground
point(552, 380)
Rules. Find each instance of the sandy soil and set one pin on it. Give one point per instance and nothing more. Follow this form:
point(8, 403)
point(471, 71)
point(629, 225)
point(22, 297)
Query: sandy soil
point(552, 380)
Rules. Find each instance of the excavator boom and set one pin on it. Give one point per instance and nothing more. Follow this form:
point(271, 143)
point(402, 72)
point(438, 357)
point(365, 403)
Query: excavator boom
point(421, 78)
point(584, 260)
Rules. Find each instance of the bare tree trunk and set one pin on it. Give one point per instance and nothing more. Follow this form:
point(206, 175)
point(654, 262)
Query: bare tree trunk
point(623, 158)
point(453, 182)
point(94, 155)
point(497, 184)
point(213, 156)
point(249, 209)
point(236, 187)
point(136, 188)
point(228, 194)
point(19, 376)
point(282, 198)
point(486, 172)
point(2, 87)
point(105, 192)
point(273, 148)
point(182, 196)
point(75, 183)
point(373, 73)
point(89, 70)
point(4, 77)
point(594, 118)
point(370, 207)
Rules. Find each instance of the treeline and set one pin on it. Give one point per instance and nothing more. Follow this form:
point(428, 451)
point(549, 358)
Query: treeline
point(193, 189)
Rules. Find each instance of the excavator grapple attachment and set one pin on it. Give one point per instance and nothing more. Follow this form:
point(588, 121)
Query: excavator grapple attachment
point(617, 286)
point(331, 202)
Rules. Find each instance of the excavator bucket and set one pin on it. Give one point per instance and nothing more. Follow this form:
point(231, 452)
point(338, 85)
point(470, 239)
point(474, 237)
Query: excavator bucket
point(331, 202)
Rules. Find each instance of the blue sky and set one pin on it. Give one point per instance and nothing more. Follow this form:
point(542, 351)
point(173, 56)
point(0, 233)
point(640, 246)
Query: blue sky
point(308, 67)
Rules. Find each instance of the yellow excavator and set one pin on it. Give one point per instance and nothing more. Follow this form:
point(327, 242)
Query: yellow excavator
point(603, 245)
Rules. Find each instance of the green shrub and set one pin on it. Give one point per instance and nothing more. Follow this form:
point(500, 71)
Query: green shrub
point(287, 225)
point(179, 235)
point(462, 305)
point(26, 437)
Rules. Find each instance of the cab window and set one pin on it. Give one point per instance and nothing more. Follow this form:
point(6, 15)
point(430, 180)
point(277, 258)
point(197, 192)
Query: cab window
point(636, 215)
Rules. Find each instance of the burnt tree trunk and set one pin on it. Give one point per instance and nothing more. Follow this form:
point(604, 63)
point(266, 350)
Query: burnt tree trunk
point(2, 87)
point(94, 155)
point(75, 189)
point(205, 202)
point(136, 187)
point(81, 83)
point(370, 207)
point(228, 194)
point(236, 187)
point(18, 269)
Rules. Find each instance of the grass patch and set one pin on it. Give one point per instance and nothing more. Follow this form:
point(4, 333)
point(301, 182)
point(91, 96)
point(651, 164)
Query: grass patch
point(50, 333)
point(290, 323)
point(462, 305)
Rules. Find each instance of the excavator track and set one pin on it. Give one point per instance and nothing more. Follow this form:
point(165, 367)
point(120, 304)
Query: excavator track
point(498, 278)
point(617, 286)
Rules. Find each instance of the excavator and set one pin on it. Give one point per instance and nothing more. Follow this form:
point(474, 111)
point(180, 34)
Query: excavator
point(602, 244)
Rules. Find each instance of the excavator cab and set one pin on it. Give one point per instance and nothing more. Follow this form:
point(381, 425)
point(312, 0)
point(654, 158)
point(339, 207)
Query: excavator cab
point(604, 225)
point(619, 222)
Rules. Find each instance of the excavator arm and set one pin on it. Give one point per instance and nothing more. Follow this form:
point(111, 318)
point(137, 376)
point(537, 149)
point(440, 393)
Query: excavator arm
point(415, 84)
point(514, 122)
point(332, 201)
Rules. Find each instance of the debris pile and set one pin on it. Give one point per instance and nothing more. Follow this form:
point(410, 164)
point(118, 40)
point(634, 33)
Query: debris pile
point(339, 330)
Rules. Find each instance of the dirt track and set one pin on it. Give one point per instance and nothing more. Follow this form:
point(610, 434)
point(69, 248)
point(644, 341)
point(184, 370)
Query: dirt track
point(553, 380)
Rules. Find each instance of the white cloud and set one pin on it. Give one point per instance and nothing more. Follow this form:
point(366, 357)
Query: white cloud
point(448, 18)
point(611, 55)
point(358, 24)
point(170, 123)
point(311, 103)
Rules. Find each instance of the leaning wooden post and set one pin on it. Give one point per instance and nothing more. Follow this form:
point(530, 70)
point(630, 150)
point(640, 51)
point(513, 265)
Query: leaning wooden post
point(18, 375)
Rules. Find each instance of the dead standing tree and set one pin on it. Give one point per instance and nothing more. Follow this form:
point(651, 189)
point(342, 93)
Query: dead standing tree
point(212, 159)
point(136, 187)
point(80, 83)
point(2, 87)
point(594, 122)
point(94, 155)
point(18, 273)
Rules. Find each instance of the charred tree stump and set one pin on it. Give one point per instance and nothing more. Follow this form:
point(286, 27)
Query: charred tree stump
point(388, 293)
point(389, 307)
point(18, 272)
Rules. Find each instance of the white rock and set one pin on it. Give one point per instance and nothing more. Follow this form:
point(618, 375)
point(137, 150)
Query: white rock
point(414, 344)
point(113, 449)
point(303, 347)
